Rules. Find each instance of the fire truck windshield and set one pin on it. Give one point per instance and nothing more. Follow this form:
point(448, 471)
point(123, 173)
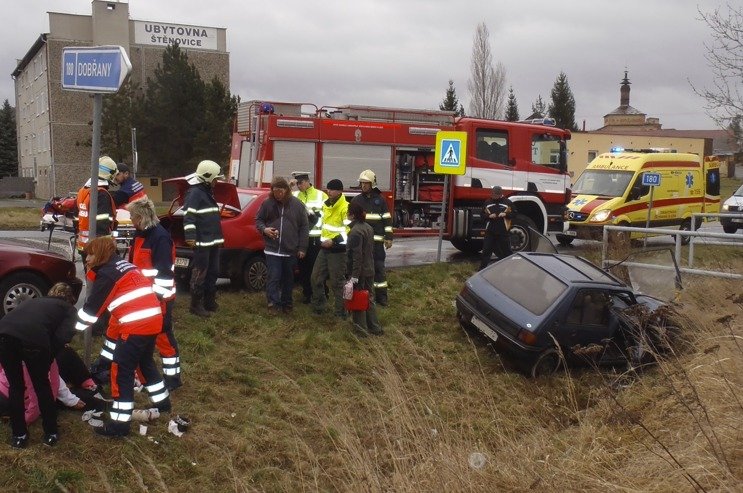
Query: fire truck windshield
point(602, 182)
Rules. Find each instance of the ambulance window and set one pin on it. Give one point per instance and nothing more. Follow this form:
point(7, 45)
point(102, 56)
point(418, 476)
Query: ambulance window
point(492, 145)
point(713, 182)
point(638, 190)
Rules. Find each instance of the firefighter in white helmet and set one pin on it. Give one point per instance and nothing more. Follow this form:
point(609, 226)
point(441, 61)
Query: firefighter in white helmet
point(106, 212)
point(379, 218)
point(202, 228)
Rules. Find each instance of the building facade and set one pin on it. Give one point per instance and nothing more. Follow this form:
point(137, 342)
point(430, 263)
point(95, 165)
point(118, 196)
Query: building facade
point(54, 125)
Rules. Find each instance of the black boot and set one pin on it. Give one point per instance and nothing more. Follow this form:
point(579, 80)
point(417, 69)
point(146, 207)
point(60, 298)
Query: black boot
point(114, 429)
point(197, 306)
point(172, 383)
point(210, 302)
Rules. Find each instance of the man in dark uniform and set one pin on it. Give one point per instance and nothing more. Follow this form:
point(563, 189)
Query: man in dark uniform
point(498, 211)
point(380, 219)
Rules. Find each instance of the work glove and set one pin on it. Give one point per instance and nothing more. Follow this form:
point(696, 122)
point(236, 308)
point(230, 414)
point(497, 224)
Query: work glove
point(387, 244)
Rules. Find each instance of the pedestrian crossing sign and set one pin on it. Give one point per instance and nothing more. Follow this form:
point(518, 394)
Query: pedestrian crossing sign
point(451, 153)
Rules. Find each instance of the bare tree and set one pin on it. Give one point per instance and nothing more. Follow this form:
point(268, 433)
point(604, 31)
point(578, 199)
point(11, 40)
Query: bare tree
point(487, 85)
point(725, 59)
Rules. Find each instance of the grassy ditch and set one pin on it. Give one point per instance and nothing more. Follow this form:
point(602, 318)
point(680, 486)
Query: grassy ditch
point(290, 403)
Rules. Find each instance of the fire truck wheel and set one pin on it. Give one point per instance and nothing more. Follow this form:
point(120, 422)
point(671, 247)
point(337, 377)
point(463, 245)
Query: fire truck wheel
point(520, 233)
point(255, 273)
point(467, 245)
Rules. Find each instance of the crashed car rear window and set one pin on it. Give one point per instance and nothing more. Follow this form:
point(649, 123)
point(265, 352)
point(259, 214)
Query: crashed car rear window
point(525, 283)
point(245, 199)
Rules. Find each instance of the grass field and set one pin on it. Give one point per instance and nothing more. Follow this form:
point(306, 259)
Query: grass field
point(298, 403)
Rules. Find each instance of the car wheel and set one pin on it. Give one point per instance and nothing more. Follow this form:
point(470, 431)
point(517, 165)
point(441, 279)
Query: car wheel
point(564, 240)
point(729, 228)
point(17, 288)
point(255, 273)
point(546, 364)
point(467, 245)
point(519, 233)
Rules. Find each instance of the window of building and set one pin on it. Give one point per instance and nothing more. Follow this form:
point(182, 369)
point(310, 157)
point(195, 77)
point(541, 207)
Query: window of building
point(592, 155)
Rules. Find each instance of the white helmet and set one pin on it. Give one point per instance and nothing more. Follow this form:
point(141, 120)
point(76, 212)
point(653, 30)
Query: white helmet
point(106, 169)
point(206, 172)
point(368, 176)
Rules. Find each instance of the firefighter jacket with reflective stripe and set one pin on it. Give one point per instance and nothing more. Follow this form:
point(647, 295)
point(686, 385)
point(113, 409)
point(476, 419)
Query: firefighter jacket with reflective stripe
point(105, 215)
point(377, 214)
point(202, 222)
point(313, 199)
point(120, 288)
point(335, 223)
point(153, 253)
point(129, 191)
point(290, 218)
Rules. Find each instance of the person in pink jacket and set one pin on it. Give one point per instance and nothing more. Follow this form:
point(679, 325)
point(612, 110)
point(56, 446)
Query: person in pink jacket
point(30, 400)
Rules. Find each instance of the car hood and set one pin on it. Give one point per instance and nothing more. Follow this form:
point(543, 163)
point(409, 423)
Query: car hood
point(586, 204)
point(224, 192)
point(736, 200)
point(19, 248)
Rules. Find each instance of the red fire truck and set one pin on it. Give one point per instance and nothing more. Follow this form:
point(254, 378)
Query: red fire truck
point(527, 159)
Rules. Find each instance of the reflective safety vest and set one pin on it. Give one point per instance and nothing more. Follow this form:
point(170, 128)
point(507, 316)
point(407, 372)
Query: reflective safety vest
point(105, 215)
point(335, 221)
point(153, 252)
point(313, 200)
point(120, 288)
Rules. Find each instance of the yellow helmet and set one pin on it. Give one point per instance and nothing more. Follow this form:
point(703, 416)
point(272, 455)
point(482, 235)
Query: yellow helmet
point(106, 169)
point(368, 176)
point(206, 172)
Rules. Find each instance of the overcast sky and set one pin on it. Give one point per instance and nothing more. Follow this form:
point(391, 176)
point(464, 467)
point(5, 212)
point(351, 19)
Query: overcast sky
point(403, 52)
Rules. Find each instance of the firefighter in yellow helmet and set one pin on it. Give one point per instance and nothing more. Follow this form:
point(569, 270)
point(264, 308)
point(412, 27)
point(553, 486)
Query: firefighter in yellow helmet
point(202, 227)
point(379, 218)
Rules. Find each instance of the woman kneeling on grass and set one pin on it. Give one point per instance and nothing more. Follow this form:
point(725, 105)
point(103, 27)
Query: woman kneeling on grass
point(360, 268)
point(137, 318)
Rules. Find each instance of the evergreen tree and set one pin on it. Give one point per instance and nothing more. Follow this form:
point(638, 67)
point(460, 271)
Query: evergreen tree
point(512, 107)
point(215, 136)
point(172, 117)
point(451, 102)
point(120, 111)
point(562, 106)
point(538, 108)
point(8, 141)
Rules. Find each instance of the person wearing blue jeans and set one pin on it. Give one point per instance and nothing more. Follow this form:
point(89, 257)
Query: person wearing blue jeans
point(282, 220)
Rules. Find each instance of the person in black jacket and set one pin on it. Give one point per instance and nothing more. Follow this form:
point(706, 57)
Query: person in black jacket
point(33, 334)
point(498, 212)
point(202, 227)
point(282, 220)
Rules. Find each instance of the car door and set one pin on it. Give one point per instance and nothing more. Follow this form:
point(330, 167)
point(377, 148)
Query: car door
point(586, 329)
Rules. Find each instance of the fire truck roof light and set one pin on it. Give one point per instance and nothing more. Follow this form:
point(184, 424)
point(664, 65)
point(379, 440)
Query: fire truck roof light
point(549, 122)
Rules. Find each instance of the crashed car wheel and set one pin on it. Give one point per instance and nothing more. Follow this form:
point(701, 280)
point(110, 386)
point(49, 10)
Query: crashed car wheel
point(255, 273)
point(17, 288)
point(547, 363)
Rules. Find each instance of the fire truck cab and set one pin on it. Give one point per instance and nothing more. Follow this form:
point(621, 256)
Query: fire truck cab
point(528, 160)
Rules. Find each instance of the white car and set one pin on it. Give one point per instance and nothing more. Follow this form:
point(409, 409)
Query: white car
point(734, 205)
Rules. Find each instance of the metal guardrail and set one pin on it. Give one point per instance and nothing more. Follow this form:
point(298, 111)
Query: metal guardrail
point(678, 235)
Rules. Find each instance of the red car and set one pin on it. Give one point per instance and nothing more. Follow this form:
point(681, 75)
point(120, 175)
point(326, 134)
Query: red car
point(29, 273)
point(241, 257)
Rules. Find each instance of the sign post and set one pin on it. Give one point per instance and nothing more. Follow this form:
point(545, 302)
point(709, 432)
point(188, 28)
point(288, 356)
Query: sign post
point(651, 180)
point(98, 70)
point(450, 158)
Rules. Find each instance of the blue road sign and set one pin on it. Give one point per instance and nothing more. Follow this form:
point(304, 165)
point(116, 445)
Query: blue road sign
point(650, 179)
point(99, 69)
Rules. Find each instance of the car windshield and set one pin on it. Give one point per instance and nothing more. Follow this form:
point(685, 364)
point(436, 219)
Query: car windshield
point(739, 192)
point(607, 183)
point(245, 199)
point(525, 283)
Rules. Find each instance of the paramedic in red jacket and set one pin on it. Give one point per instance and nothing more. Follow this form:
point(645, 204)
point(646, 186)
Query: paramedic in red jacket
point(153, 253)
point(136, 316)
